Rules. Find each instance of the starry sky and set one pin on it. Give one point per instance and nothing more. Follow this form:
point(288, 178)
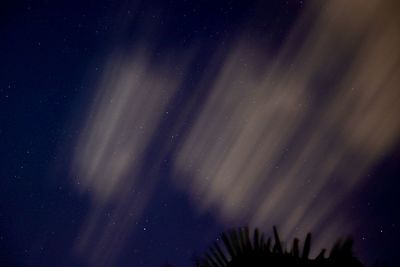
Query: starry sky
point(133, 132)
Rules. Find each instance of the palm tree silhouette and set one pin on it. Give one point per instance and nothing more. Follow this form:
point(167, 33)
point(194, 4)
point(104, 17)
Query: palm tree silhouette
point(251, 250)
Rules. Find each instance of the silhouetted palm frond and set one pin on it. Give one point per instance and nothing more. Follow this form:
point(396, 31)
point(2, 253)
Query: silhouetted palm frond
point(240, 248)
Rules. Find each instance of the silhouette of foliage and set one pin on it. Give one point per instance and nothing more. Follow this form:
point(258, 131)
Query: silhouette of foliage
point(252, 250)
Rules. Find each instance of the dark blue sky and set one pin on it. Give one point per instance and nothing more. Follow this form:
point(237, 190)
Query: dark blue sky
point(53, 53)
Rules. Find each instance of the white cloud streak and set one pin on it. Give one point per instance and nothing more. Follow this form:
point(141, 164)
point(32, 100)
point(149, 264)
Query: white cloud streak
point(128, 106)
point(287, 143)
point(280, 140)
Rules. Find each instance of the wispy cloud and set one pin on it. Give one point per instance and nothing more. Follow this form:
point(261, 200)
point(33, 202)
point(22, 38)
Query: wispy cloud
point(285, 142)
point(109, 162)
point(281, 139)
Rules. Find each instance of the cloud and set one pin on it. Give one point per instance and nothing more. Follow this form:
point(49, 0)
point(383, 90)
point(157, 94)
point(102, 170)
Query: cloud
point(286, 142)
point(110, 159)
point(280, 139)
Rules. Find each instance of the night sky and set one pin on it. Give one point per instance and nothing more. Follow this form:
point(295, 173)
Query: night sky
point(133, 132)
